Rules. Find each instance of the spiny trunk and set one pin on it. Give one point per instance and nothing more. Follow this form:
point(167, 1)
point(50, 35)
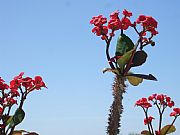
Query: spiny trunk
point(116, 108)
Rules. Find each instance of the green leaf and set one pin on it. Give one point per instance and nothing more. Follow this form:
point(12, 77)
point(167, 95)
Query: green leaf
point(139, 58)
point(124, 60)
point(124, 44)
point(165, 128)
point(134, 80)
point(145, 132)
point(147, 77)
point(17, 117)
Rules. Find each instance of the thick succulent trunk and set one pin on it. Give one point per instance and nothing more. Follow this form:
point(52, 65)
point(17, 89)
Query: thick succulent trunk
point(116, 108)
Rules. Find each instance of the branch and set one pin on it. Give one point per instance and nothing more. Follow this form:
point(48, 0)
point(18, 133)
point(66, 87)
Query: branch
point(145, 111)
point(171, 125)
point(107, 52)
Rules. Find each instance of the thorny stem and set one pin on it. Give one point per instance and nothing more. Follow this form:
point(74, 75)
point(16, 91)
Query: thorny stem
point(117, 107)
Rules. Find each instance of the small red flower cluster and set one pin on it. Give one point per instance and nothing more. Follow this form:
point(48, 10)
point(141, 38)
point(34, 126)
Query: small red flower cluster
point(162, 100)
point(27, 82)
point(115, 23)
point(148, 120)
point(143, 102)
point(8, 97)
point(148, 23)
point(158, 99)
point(176, 112)
point(99, 29)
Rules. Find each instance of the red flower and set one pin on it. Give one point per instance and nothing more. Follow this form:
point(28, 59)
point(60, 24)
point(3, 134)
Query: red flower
point(14, 93)
point(38, 82)
point(170, 104)
point(143, 103)
point(100, 30)
point(173, 114)
point(114, 24)
point(19, 76)
point(151, 97)
point(176, 112)
point(98, 20)
point(3, 86)
point(148, 120)
point(160, 97)
point(125, 23)
point(127, 13)
point(150, 22)
point(114, 15)
point(141, 19)
point(15, 84)
point(168, 99)
point(27, 82)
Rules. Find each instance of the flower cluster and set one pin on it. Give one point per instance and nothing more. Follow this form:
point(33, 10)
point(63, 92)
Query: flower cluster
point(19, 87)
point(115, 23)
point(176, 112)
point(161, 101)
point(99, 29)
point(148, 23)
point(27, 82)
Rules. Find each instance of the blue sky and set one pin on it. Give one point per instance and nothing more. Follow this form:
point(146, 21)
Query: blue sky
point(53, 38)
